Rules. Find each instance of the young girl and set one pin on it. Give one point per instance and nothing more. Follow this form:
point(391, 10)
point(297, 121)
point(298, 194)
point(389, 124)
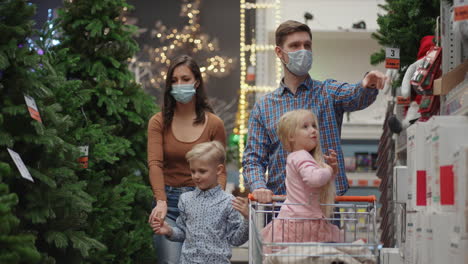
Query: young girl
point(309, 183)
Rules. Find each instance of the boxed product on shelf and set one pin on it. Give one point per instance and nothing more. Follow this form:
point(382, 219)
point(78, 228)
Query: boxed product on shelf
point(363, 161)
point(448, 133)
point(390, 256)
point(451, 79)
point(400, 184)
point(400, 226)
point(417, 150)
point(409, 249)
point(350, 164)
point(460, 169)
point(442, 226)
point(373, 161)
point(419, 238)
point(458, 252)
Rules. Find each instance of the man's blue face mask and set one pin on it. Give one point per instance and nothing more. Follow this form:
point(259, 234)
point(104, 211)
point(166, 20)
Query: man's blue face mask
point(300, 62)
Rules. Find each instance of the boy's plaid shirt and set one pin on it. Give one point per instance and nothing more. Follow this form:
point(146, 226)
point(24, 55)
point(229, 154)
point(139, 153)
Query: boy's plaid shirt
point(329, 100)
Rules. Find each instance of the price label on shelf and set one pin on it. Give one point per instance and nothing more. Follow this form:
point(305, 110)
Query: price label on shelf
point(32, 107)
point(20, 165)
point(392, 58)
point(460, 13)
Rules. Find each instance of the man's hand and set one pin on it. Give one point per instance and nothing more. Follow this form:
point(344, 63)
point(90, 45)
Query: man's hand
point(263, 195)
point(241, 204)
point(374, 79)
point(332, 161)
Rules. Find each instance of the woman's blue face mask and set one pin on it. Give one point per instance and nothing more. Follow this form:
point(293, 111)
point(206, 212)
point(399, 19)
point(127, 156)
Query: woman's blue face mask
point(183, 93)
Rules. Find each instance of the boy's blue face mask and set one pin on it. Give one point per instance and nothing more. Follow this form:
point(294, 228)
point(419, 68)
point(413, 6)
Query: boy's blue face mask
point(183, 93)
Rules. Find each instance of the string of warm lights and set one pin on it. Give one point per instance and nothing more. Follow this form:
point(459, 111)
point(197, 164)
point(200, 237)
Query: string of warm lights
point(188, 40)
point(245, 88)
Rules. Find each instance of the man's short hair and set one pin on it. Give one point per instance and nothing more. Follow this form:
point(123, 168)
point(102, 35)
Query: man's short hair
point(288, 27)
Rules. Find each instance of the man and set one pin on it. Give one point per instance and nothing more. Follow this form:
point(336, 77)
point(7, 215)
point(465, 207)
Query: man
point(329, 100)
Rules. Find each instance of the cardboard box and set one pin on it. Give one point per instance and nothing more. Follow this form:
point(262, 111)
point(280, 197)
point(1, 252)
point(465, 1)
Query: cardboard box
point(400, 184)
point(460, 169)
point(400, 226)
point(442, 226)
point(410, 236)
point(446, 137)
point(390, 256)
point(417, 150)
point(448, 81)
point(458, 252)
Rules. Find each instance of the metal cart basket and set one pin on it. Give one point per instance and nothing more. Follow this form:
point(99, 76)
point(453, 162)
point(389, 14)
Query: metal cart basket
point(296, 242)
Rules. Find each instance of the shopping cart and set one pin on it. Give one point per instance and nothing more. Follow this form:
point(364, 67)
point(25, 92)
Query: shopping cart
point(355, 215)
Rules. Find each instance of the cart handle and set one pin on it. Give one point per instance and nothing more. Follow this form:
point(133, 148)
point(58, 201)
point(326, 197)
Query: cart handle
point(369, 198)
point(276, 198)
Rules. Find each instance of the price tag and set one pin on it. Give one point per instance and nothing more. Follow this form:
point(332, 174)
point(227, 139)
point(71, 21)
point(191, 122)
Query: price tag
point(83, 159)
point(460, 13)
point(32, 107)
point(392, 58)
point(250, 74)
point(20, 165)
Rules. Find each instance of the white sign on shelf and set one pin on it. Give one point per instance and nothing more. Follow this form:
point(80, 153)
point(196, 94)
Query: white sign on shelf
point(20, 165)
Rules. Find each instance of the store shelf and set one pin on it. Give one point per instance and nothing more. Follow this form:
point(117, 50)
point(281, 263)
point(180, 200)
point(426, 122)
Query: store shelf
point(342, 34)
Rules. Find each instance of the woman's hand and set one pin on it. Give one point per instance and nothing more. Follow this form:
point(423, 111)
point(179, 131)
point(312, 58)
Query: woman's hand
point(160, 211)
point(332, 161)
point(241, 204)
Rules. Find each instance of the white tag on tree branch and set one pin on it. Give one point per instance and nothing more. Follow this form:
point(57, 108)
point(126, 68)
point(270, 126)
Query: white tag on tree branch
point(83, 159)
point(32, 107)
point(20, 165)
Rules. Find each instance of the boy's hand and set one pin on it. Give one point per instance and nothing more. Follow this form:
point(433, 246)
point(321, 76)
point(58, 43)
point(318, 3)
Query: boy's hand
point(160, 227)
point(332, 161)
point(241, 204)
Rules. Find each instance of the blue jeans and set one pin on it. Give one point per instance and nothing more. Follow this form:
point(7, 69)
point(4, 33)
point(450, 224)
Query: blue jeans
point(168, 252)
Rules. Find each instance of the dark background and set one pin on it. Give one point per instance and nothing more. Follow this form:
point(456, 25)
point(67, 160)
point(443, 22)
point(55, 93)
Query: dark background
point(218, 19)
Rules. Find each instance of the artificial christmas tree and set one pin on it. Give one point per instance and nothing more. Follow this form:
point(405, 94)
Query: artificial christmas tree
point(114, 112)
point(403, 26)
point(53, 207)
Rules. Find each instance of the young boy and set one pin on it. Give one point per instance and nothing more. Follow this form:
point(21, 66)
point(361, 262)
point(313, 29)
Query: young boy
point(210, 220)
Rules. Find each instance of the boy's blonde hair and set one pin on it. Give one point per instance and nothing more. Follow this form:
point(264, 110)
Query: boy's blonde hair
point(211, 151)
point(287, 127)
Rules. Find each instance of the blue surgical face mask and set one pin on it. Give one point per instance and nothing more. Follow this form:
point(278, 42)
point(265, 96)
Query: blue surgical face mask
point(300, 62)
point(183, 93)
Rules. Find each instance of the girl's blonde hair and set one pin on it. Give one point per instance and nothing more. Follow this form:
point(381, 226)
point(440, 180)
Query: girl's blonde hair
point(212, 151)
point(287, 127)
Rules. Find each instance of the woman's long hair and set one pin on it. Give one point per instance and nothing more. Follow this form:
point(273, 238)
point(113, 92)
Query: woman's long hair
point(201, 101)
point(287, 126)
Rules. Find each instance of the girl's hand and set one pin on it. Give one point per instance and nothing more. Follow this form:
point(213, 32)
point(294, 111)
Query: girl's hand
point(241, 204)
point(160, 227)
point(159, 211)
point(332, 161)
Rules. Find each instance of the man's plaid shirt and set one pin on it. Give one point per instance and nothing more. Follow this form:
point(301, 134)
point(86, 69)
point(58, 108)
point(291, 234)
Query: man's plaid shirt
point(329, 100)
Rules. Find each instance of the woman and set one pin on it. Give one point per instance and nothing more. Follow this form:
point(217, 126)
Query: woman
point(186, 120)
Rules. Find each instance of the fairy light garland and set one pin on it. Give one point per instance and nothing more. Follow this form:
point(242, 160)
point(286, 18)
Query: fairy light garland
point(245, 88)
point(189, 40)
